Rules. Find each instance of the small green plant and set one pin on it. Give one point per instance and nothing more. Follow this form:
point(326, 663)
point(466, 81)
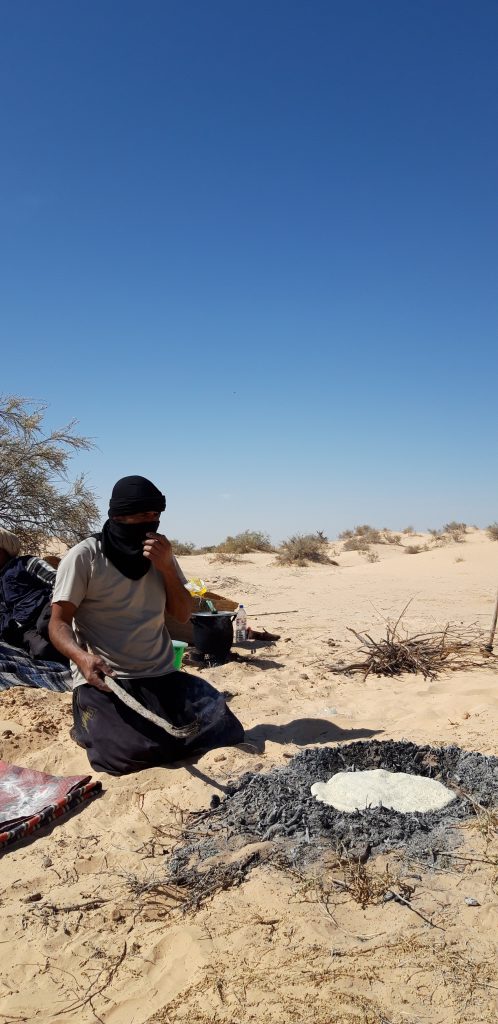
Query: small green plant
point(304, 548)
point(492, 531)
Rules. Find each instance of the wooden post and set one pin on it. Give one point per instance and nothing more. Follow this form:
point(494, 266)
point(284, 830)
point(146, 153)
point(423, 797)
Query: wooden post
point(489, 645)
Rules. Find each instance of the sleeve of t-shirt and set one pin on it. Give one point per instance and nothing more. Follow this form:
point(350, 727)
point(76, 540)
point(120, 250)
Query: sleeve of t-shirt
point(73, 575)
point(179, 571)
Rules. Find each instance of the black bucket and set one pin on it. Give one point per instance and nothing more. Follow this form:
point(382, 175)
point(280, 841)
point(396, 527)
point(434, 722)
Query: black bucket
point(213, 633)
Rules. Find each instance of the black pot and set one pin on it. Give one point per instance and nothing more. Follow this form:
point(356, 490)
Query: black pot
point(213, 633)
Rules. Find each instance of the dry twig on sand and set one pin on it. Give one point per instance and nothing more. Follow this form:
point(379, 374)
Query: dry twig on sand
point(428, 653)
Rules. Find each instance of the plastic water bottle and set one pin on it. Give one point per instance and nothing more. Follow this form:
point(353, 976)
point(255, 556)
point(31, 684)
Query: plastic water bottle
point(240, 625)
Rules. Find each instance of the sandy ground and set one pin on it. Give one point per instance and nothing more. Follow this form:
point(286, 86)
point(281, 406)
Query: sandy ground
point(77, 945)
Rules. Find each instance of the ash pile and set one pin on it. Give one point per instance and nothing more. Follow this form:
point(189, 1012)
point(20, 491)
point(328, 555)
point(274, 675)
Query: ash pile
point(278, 809)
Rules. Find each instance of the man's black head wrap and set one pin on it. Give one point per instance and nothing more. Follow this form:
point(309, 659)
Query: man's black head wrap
point(135, 494)
point(122, 543)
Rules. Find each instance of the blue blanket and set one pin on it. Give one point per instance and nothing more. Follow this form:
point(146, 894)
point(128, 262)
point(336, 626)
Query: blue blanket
point(18, 669)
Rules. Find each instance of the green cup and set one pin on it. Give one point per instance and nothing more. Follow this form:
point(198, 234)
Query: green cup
point(179, 648)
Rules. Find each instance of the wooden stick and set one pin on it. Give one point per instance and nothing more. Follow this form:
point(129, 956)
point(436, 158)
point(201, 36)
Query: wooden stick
point(489, 645)
point(289, 611)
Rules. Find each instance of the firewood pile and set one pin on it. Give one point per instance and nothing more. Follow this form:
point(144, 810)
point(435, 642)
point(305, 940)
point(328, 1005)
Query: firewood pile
point(426, 654)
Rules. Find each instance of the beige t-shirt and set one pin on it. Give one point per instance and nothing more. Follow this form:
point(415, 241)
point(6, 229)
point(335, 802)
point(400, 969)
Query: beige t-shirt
point(121, 620)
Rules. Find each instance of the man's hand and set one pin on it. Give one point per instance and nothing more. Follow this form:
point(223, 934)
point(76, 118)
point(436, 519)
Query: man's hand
point(158, 549)
point(94, 669)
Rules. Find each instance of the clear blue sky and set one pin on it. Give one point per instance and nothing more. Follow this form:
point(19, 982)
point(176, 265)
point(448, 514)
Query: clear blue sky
point(252, 247)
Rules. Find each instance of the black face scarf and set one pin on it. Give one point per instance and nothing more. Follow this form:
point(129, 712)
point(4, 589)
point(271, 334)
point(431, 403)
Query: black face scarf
point(122, 543)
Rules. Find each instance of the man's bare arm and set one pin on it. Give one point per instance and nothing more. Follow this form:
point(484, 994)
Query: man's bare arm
point(60, 631)
point(179, 602)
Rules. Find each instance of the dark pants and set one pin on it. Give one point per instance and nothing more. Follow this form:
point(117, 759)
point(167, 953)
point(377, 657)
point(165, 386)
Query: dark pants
point(119, 740)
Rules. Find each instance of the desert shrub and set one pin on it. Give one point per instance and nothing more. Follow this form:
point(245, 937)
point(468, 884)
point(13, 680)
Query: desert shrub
point(243, 543)
point(356, 544)
point(440, 538)
point(454, 527)
point(456, 531)
point(365, 533)
point(371, 556)
point(37, 500)
point(492, 531)
point(303, 548)
point(183, 547)
point(224, 558)
point(458, 537)
point(369, 534)
point(408, 529)
point(415, 549)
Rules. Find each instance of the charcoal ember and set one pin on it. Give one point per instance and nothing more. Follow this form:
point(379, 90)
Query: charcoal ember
point(278, 806)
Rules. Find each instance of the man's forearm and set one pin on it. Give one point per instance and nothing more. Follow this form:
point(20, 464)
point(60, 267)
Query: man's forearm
point(63, 638)
point(179, 602)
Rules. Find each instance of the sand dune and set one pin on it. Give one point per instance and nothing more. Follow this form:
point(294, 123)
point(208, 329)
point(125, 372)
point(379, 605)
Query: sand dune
point(274, 949)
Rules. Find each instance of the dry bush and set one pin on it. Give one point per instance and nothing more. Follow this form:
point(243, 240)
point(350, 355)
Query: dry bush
point(303, 548)
point(356, 544)
point(455, 527)
point(439, 538)
point(371, 556)
point(364, 535)
point(415, 549)
point(392, 538)
point(492, 531)
point(456, 531)
point(369, 534)
point(225, 558)
point(408, 529)
point(244, 543)
point(37, 501)
point(183, 547)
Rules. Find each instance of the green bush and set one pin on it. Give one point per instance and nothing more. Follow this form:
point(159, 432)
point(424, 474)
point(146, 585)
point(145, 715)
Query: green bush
point(303, 548)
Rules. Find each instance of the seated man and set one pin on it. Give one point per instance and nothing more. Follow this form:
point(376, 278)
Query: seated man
point(26, 584)
point(110, 597)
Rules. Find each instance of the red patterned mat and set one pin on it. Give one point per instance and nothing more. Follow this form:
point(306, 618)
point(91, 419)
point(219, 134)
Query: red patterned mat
point(29, 799)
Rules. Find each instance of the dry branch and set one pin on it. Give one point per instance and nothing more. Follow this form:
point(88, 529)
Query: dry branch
point(428, 653)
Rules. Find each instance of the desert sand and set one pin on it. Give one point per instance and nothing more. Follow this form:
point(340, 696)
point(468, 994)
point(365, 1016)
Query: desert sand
point(78, 944)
